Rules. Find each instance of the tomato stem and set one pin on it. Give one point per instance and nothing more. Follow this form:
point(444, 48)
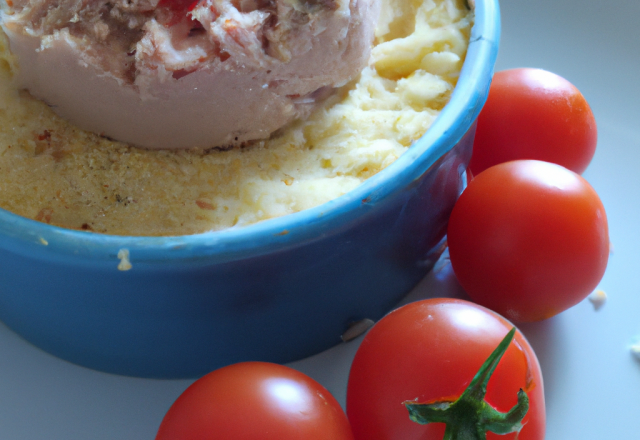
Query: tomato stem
point(470, 417)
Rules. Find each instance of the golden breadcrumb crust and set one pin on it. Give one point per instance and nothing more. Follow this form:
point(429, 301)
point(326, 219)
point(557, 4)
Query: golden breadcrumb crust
point(55, 173)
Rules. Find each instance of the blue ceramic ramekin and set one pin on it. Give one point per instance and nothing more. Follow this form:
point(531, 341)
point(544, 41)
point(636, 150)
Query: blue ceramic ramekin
point(276, 291)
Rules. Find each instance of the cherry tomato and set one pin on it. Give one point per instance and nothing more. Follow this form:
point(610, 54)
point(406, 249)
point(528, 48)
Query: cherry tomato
point(528, 239)
point(430, 351)
point(534, 114)
point(255, 401)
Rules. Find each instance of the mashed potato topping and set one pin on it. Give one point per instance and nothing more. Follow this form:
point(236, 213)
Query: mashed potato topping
point(55, 173)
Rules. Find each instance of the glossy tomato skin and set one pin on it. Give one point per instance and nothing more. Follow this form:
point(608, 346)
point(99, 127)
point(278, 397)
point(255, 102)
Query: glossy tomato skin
point(534, 114)
point(430, 350)
point(255, 401)
point(528, 239)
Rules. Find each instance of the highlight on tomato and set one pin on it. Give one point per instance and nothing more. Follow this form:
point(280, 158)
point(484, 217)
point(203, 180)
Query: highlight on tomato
point(255, 400)
point(528, 239)
point(446, 364)
point(534, 114)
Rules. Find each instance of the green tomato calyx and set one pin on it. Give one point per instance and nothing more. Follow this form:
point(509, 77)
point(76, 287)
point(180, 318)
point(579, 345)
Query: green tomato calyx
point(470, 417)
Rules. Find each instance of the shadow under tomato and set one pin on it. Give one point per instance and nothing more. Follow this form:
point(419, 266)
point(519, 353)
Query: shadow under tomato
point(440, 282)
point(548, 339)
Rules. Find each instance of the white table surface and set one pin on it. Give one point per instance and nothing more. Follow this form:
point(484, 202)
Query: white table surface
point(592, 381)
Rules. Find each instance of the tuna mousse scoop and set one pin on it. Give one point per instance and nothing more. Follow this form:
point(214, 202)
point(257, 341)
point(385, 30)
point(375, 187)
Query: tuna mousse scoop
point(172, 74)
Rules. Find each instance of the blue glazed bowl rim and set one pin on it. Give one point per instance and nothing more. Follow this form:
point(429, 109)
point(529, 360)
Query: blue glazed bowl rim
point(298, 228)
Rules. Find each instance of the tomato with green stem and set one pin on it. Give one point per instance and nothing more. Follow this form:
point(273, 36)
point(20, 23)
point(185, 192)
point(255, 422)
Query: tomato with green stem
point(470, 416)
point(255, 400)
point(428, 352)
